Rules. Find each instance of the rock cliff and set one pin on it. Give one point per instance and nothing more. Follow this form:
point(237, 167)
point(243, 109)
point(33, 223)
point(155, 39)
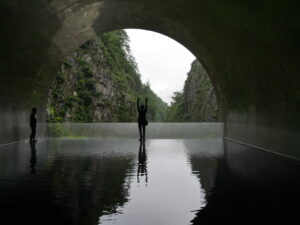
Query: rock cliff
point(100, 82)
point(197, 102)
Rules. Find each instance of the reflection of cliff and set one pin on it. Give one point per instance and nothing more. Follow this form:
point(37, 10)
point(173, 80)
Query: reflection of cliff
point(252, 187)
point(204, 156)
point(86, 188)
point(67, 183)
point(205, 169)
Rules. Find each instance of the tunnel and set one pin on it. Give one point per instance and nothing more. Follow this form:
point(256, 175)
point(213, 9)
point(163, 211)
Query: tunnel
point(250, 50)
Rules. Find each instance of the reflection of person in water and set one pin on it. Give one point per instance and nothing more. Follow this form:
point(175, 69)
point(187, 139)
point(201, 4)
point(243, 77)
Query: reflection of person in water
point(142, 121)
point(142, 165)
point(33, 124)
point(32, 158)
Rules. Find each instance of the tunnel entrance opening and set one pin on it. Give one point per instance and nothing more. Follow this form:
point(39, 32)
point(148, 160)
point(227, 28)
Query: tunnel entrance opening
point(101, 81)
point(103, 74)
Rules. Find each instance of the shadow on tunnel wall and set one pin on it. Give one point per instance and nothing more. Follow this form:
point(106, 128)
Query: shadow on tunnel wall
point(25, 29)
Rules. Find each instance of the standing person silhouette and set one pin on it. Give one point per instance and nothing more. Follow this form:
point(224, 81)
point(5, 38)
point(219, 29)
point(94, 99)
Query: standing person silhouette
point(142, 121)
point(33, 124)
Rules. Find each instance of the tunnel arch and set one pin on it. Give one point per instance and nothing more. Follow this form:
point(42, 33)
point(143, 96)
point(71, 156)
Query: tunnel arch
point(250, 51)
point(151, 42)
point(96, 23)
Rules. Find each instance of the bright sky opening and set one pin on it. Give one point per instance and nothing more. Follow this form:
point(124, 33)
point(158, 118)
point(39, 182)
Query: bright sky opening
point(161, 60)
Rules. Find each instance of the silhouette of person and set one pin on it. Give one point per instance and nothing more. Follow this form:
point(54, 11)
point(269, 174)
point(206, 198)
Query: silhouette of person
point(32, 158)
point(142, 121)
point(142, 164)
point(33, 124)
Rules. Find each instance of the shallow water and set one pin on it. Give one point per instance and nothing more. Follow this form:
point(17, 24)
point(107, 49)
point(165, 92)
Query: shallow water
point(91, 181)
point(105, 181)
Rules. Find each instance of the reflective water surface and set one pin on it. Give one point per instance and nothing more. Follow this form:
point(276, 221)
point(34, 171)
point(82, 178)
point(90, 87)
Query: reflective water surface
point(106, 181)
point(91, 181)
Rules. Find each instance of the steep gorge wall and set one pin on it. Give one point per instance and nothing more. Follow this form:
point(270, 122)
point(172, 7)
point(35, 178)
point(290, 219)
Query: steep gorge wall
point(100, 82)
point(197, 102)
point(199, 95)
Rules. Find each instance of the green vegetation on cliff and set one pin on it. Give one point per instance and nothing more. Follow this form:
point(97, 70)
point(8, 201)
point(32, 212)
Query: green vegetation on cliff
point(100, 82)
point(197, 102)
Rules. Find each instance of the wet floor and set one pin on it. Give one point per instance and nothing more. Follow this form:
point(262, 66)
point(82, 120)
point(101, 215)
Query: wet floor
point(166, 181)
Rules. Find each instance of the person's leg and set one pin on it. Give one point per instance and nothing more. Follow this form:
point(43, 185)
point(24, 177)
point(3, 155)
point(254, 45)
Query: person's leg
point(144, 132)
point(140, 130)
point(33, 133)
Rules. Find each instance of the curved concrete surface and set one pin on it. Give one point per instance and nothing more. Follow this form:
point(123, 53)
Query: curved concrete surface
point(250, 50)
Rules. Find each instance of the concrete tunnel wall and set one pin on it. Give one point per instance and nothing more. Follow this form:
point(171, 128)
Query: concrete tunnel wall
point(251, 51)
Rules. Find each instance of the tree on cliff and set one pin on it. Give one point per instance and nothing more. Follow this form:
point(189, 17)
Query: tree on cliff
point(197, 102)
point(100, 82)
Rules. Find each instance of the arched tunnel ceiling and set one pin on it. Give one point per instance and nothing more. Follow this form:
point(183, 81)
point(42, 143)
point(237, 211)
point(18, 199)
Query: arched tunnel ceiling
point(250, 50)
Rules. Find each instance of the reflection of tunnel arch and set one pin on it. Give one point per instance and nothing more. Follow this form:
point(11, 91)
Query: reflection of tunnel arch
point(250, 51)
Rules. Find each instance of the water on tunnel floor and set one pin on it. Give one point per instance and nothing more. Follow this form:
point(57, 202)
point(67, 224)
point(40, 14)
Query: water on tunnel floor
point(165, 181)
point(104, 181)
